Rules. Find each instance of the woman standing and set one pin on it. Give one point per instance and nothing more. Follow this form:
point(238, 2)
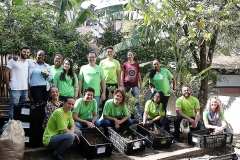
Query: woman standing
point(39, 77)
point(159, 81)
point(154, 112)
point(52, 105)
point(66, 81)
point(213, 115)
point(115, 112)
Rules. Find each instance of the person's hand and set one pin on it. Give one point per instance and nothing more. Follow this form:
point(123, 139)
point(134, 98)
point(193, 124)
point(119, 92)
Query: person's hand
point(193, 123)
point(143, 123)
point(218, 130)
point(45, 75)
point(90, 125)
point(116, 121)
point(15, 58)
point(103, 96)
point(117, 125)
point(77, 139)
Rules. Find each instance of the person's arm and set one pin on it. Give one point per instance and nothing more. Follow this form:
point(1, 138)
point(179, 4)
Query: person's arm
point(94, 115)
point(80, 84)
point(174, 83)
point(197, 116)
point(7, 77)
point(140, 81)
point(77, 119)
point(119, 78)
point(103, 86)
point(122, 78)
point(155, 119)
point(110, 118)
point(76, 87)
point(123, 119)
point(179, 112)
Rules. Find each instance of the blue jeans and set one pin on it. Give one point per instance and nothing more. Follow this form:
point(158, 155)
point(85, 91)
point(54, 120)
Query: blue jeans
point(97, 123)
point(135, 93)
point(16, 96)
point(59, 143)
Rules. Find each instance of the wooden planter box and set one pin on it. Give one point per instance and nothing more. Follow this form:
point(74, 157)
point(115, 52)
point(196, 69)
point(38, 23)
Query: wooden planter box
point(94, 144)
point(126, 140)
point(161, 139)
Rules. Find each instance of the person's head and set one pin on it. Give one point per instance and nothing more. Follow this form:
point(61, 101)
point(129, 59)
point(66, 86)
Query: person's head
point(130, 55)
point(186, 91)
point(88, 94)
point(68, 65)
point(40, 56)
point(58, 59)
point(119, 97)
point(92, 57)
point(53, 94)
point(24, 52)
point(158, 97)
point(9, 57)
point(68, 103)
point(110, 52)
point(214, 104)
point(156, 65)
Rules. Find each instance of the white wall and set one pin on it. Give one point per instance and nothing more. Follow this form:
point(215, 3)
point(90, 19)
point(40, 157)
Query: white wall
point(232, 80)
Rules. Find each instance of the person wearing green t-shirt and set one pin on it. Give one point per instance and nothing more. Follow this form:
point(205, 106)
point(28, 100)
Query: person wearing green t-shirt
point(60, 131)
point(213, 116)
point(85, 110)
point(159, 81)
point(92, 75)
point(112, 71)
point(187, 107)
point(154, 113)
point(66, 81)
point(115, 112)
point(57, 67)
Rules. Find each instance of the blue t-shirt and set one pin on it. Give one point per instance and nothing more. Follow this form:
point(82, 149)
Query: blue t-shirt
point(37, 79)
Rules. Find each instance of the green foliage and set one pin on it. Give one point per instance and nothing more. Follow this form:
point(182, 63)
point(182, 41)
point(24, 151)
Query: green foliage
point(37, 27)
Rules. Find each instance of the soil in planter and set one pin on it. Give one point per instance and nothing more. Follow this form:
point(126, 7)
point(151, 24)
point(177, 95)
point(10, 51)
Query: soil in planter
point(93, 138)
point(126, 135)
point(153, 131)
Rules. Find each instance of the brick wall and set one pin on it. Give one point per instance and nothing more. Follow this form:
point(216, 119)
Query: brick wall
point(228, 90)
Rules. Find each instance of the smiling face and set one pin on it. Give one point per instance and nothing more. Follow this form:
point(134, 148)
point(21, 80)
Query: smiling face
point(25, 53)
point(156, 65)
point(57, 60)
point(40, 56)
point(157, 98)
point(66, 65)
point(92, 58)
point(214, 104)
point(88, 96)
point(54, 94)
point(110, 52)
point(117, 99)
point(68, 106)
point(186, 92)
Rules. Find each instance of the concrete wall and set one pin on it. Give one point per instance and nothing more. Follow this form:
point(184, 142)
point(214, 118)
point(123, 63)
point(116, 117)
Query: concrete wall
point(231, 107)
point(231, 80)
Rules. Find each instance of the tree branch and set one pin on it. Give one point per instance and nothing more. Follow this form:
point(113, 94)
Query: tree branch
point(212, 46)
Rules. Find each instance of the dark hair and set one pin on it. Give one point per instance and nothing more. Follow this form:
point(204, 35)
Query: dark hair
point(123, 95)
point(58, 54)
point(89, 89)
point(161, 99)
point(153, 71)
point(93, 53)
point(109, 47)
point(49, 97)
point(186, 85)
point(68, 97)
point(24, 47)
point(70, 73)
point(131, 52)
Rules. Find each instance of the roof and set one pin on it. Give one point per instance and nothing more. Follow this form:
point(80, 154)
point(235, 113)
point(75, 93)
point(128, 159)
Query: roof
point(226, 62)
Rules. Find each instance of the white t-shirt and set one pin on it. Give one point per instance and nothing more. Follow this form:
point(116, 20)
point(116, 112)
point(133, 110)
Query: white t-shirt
point(18, 74)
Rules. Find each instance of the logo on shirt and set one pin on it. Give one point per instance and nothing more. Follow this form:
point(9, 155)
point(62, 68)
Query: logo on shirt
point(118, 113)
point(68, 119)
point(97, 72)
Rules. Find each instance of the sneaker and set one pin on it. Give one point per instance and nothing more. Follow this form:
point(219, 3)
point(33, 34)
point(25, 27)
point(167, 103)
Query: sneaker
point(58, 157)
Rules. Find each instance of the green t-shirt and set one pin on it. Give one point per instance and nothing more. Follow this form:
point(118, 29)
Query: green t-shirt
point(54, 71)
point(110, 69)
point(85, 111)
point(161, 81)
point(113, 111)
point(58, 121)
point(188, 106)
point(65, 87)
point(205, 118)
point(152, 110)
point(91, 77)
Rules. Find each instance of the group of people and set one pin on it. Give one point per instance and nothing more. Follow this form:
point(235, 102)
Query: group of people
point(65, 114)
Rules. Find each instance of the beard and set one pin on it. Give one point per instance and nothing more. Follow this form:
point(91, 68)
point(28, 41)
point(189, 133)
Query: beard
point(24, 56)
point(186, 95)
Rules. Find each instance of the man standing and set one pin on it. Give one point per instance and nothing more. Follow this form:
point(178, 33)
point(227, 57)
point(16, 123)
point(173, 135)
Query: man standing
point(131, 78)
point(18, 80)
point(187, 107)
point(90, 76)
point(57, 67)
point(111, 68)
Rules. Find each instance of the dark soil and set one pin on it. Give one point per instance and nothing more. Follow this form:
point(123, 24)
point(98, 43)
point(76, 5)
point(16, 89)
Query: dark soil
point(93, 138)
point(151, 129)
point(126, 135)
